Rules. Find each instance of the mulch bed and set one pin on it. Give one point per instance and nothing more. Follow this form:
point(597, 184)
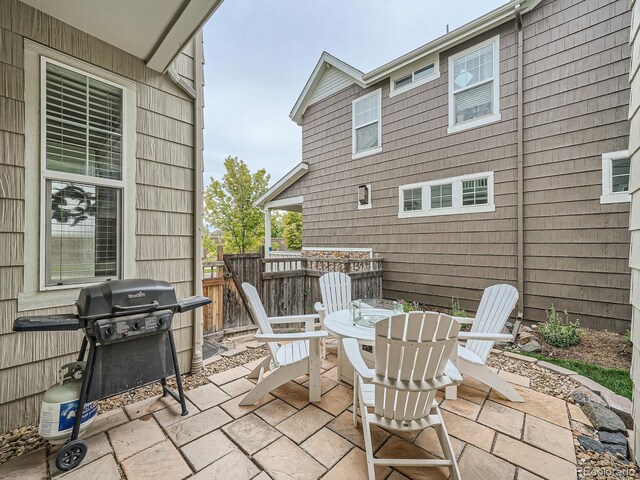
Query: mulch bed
point(600, 347)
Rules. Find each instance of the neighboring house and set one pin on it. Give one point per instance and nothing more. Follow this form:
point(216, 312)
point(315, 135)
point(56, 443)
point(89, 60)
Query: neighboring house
point(634, 224)
point(495, 153)
point(100, 169)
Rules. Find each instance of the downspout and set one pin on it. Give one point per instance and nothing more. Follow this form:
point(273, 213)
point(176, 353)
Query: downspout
point(520, 187)
point(198, 167)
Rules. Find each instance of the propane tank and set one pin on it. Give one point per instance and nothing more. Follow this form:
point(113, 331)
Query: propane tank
point(60, 403)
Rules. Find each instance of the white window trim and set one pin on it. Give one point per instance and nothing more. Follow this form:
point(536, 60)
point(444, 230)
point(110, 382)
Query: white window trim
point(456, 207)
point(370, 151)
point(607, 195)
point(35, 294)
point(495, 116)
point(366, 205)
point(393, 91)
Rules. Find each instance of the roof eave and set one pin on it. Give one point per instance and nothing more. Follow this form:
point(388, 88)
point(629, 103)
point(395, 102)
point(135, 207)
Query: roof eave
point(281, 185)
point(480, 25)
point(184, 26)
point(325, 59)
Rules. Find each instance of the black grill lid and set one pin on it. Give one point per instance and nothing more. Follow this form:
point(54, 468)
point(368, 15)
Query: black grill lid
point(121, 297)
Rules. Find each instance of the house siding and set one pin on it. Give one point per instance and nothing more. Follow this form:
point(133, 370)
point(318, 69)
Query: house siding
point(575, 106)
point(634, 224)
point(164, 225)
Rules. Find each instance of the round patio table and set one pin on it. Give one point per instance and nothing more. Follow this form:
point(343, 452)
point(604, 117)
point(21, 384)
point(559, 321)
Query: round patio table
point(340, 325)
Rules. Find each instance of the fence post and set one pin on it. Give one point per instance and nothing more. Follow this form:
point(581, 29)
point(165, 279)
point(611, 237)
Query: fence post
point(219, 258)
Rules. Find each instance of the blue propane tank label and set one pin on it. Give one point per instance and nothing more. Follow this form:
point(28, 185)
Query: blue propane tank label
point(68, 414)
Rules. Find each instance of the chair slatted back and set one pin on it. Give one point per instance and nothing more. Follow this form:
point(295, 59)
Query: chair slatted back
point(497, 303)
point(411, 352)
point(260, 316)
point(335, 288)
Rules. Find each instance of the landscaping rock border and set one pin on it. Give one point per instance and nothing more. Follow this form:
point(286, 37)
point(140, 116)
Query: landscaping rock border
point(605, 446)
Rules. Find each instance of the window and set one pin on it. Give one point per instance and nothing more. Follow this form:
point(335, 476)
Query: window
point(412, 199)
point(441, 196)
point(475, 192)
point(615, 177)
point(414, 75)
point(474, 90)
point(367, 132)
point(449, 196)
point(82, 176)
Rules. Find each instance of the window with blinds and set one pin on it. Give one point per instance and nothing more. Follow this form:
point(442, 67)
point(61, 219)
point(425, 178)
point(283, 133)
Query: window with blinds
point(82, 176)
point(473, 85)
point(366, 132)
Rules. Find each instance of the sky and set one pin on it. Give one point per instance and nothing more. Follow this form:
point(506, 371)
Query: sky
point(259, 55)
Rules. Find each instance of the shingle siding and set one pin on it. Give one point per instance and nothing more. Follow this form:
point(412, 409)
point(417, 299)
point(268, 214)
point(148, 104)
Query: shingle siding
point(164, 224)
point(576, 64)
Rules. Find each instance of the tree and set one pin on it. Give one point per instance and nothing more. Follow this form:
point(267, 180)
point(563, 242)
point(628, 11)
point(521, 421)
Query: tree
point(276, 224)
point(292, 230)
point(229, 206)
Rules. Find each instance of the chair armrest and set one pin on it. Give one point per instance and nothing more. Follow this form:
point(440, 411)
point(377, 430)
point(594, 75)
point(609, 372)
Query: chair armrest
point(491, 337)
point(464, 320)
point(452, 372)
point(352, 350)
point(308, 320)
point(288, 337)
point(319, 307)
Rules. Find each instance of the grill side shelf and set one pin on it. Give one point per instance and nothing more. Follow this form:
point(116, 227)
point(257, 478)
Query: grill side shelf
point(48, 323)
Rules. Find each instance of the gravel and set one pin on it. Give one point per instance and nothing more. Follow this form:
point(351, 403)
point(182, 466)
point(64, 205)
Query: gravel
point(23, 440)
point(542, 380)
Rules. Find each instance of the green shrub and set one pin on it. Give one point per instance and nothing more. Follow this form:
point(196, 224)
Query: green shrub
point(627, 336)
point(456, 309)
point(559, 332)
point(408, 306)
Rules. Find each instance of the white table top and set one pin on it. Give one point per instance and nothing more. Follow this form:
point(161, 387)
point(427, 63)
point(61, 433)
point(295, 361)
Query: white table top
point(339, 324)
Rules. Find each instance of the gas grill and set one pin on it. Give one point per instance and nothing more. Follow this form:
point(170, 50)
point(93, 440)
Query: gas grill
point(127, 329)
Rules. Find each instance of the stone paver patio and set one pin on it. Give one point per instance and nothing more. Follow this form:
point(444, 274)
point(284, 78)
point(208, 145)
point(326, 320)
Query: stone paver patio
point(285, 437)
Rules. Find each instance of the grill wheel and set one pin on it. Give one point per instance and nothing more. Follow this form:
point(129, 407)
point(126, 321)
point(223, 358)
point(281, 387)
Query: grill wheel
point(71, 455)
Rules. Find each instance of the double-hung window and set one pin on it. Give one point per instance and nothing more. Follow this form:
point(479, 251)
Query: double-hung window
point(82, 176)
point(474, 90)
point(367, 131)
point(448, 196)
point(615, 177)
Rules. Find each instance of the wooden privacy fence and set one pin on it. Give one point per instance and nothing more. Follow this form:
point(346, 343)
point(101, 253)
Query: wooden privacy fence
point(287, 285)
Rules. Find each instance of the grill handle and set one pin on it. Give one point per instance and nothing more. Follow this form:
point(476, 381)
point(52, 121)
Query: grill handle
point(137, 308)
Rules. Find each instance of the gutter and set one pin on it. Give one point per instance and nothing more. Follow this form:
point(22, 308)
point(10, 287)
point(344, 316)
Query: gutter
point(196, 95)
point(482, 24)
point(520, 174)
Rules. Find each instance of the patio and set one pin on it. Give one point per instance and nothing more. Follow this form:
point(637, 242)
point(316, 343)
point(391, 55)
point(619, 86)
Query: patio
point(284, 436)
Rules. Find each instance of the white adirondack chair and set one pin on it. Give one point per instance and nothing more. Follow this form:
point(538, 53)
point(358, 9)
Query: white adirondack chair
point(300, 356)
point(497, 303)
point(412, 352)
point(335, 288)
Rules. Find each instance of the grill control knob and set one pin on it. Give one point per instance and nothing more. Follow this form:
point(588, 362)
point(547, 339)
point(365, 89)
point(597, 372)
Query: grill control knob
point(108, 331)
point(136, 326)
point(161, 321)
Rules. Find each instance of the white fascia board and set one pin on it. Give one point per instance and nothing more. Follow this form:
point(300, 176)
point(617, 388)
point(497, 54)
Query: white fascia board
point(476, 27)
point(189, 20)
point(281, 185)
point(307, 92)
